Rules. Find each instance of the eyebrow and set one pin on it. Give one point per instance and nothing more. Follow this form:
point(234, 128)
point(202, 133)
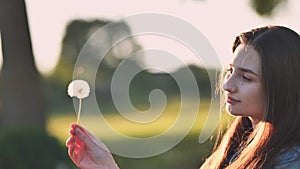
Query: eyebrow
point(245, 70)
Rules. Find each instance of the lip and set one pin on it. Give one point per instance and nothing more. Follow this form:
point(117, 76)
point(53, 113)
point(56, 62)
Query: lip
point(232, 100)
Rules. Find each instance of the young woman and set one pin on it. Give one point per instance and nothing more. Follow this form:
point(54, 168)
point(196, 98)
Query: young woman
point(261, 88)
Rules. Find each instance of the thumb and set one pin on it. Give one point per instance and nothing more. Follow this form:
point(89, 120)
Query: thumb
point(89, 139)
point(84, 138)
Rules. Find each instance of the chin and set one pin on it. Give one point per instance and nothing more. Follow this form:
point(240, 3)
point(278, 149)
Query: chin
point(232, 113)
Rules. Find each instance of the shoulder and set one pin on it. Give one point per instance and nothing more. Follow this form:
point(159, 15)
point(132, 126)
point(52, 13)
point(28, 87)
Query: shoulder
point(289, 158)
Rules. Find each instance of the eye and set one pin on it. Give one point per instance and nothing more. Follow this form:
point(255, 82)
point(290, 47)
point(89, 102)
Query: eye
point(246, 78)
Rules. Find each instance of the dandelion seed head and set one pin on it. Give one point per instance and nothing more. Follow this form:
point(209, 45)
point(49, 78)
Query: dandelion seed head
point(79, 89)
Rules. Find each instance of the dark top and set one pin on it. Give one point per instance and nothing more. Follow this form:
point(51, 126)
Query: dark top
point(288, 159)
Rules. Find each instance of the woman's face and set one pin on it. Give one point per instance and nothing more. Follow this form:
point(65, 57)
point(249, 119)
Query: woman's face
point(243, 85)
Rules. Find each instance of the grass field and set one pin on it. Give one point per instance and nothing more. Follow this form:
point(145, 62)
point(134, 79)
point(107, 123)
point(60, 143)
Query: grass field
point(59, 124)
point(189, 153)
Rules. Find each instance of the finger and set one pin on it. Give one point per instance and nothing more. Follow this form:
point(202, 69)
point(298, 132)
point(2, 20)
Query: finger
point(74, 125)
point(88, 142)
point(76, 151)
point(93, 138)
point(72, 131)
point(70, 141)
point(85, 131)
point(71, 153)
point(78, 141)
point(70, 147)
point(80, 152)
point(84, 138)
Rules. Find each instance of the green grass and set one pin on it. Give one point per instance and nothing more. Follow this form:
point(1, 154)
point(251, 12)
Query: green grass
point(59, 124)
point(189, 153)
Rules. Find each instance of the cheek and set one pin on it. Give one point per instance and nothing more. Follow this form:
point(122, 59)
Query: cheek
point(255, 100)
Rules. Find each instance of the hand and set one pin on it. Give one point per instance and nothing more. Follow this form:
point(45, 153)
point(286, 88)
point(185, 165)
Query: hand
point(88, 152)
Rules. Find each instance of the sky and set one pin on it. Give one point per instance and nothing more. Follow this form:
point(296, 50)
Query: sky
point(219, 21)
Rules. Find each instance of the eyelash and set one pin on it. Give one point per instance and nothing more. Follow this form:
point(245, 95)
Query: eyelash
point(247, 79)
point(230, 70)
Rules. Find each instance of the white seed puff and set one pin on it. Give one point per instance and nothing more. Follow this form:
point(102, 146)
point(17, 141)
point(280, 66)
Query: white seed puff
point(79, 89)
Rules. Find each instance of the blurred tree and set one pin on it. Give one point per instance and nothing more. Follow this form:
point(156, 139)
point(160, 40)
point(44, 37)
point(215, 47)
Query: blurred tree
point(266, 7)
point(77, 34)
point(21, 96)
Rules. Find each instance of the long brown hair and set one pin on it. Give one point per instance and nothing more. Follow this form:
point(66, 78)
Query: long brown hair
point(279, 49)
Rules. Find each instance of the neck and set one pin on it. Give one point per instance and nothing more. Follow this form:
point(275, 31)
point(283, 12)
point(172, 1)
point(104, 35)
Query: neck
point(254, 121)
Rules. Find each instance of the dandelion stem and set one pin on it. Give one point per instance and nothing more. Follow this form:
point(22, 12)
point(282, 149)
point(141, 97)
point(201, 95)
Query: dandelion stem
point(78, 122)
point(79, 110)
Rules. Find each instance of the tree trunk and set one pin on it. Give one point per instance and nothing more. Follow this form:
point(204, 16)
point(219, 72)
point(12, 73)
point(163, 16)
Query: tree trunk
point(22, 97)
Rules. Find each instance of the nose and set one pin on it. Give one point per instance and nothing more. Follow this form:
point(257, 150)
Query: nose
point(229, 85)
